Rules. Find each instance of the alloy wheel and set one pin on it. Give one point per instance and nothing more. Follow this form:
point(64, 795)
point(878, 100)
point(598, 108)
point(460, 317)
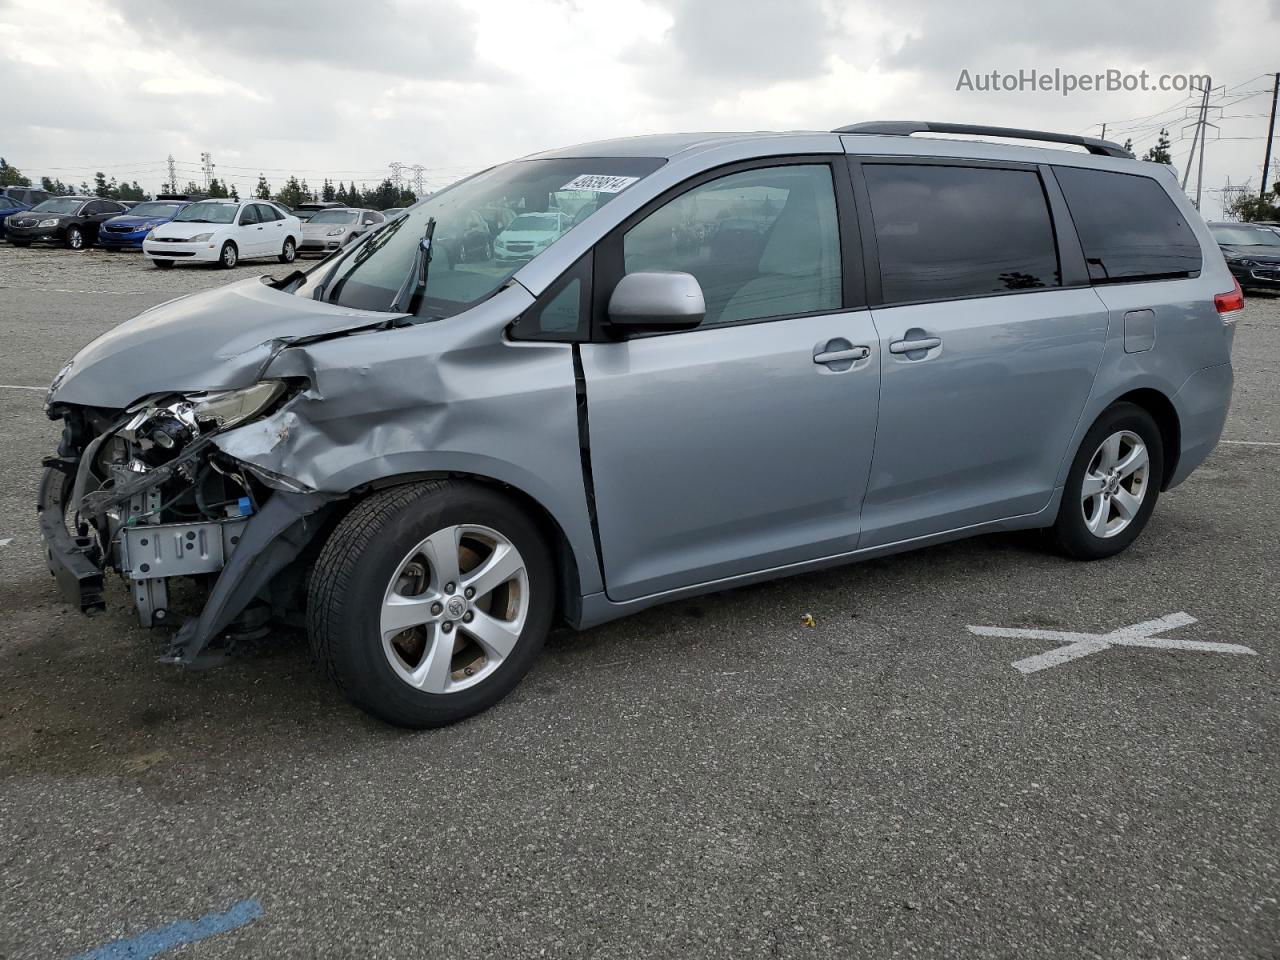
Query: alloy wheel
point(1115, 484)
point(455, 609)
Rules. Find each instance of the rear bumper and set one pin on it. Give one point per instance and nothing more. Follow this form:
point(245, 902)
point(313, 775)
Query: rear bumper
point(1201, 404)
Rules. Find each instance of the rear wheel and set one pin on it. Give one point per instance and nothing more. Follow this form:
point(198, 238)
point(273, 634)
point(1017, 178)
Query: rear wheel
point(430, 602)
point(163, 264)
point(229, 256)
point(1113, 484)
point(289, 252)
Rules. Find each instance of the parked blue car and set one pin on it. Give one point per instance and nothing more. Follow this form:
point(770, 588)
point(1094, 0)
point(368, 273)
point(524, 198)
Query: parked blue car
point(129, 229)
point(9, 206)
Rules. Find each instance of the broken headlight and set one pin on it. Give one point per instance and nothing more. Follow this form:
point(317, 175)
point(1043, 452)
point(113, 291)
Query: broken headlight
point(230, 408)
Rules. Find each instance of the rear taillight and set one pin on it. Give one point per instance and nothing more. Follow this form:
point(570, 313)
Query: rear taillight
point(1230, 305)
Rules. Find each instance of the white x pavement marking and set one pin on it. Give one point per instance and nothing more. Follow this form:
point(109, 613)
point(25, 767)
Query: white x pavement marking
point(1077, 645)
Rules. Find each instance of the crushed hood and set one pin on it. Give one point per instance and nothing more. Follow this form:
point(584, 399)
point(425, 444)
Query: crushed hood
point(216, 340)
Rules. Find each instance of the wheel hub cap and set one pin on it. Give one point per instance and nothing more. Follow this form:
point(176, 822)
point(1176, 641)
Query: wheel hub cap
point(454, 609)
point(1115, 484)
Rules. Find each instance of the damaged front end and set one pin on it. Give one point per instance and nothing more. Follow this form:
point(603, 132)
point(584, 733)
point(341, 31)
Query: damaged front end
point(146, 493)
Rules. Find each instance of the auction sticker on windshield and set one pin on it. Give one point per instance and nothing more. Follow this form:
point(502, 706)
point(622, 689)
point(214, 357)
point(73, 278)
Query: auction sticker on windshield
point(599, 183)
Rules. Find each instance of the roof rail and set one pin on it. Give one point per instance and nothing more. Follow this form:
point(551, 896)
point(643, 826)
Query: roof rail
point(904, 128)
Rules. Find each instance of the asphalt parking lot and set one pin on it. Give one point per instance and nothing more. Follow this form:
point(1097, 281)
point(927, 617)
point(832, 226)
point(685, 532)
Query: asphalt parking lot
point(708, 779)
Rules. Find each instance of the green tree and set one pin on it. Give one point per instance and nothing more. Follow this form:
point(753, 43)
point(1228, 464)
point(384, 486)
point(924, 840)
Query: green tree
point(291, 195)
point(307, 193)
point(235, 194)
point(1162, 151)
point(1249, 207)
point(11, 176)
point(1128, 144)
point(56, 187)
point(263, 191)
point(327, 193)
point(216, 189)
point(100, 186)
point(383, 195)
point(131, 191)
point(407, 199)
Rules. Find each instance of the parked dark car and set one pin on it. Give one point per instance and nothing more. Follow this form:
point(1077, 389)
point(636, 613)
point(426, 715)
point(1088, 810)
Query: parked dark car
point(1253, 253)
point(128, 230)
point(305, 211)
point(9, 206)
point(71, 221)
point(27, 196)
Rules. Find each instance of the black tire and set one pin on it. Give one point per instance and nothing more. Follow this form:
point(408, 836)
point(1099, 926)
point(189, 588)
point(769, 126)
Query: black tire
point(162, 264)
point(355, 568)
point(76, 239)
point(289, 252)
point(1070, 531)
point(228, 256)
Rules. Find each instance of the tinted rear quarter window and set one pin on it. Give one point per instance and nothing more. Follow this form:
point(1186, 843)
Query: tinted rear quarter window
point(1129, 227)
point(954, 231)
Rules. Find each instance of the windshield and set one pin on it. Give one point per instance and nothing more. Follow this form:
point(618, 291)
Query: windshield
point(156, 209)
point(58, 205)
point(208, 211)
point(335, 216)
point(1246, 236)
point(469, 216)
point(535, 222)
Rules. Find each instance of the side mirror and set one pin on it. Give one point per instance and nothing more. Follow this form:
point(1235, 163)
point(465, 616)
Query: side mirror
point(657, 301)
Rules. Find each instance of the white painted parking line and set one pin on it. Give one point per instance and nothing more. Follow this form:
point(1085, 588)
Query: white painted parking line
point(1252, 443)
point(15, 386)
point(1077, 645)
point(6, 541)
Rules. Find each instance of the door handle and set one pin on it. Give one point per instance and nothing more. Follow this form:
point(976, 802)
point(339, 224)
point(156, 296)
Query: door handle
point(835, 356)
point(906, 346)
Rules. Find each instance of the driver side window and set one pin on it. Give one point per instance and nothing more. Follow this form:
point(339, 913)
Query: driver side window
point(762, 243)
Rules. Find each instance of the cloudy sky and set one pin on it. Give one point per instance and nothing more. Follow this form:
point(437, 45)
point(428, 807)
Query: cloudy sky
point(341, 89)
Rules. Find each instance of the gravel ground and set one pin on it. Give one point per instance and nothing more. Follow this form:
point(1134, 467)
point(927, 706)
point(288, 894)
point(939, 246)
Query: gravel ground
point(708, 779)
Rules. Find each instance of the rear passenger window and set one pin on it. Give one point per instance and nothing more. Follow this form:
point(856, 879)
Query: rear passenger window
point(1129, 227)
point(762, 243)
point(945, 232)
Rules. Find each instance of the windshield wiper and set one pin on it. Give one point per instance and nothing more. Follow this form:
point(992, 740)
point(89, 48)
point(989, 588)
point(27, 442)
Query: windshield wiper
point(194, 220)
point(416, 282)
point(377, 240)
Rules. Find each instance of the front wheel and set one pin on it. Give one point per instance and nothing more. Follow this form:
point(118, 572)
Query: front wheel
point(229, 256)
point(76, 239)
point(1112, 486)
point(289, 252)
point(429, 602)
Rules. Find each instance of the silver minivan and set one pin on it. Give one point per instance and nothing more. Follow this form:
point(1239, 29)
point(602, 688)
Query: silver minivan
point(736, 357)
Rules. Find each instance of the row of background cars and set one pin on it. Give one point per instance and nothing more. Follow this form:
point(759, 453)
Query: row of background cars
point(177, 227)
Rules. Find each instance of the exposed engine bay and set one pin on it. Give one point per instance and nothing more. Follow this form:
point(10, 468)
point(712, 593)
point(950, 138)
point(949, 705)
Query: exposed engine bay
point(145, 493)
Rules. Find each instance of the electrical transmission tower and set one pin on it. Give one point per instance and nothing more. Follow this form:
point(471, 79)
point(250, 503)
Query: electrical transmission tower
point(173, 176)
point(419, 190)
point(397, 174)
point(207, 165)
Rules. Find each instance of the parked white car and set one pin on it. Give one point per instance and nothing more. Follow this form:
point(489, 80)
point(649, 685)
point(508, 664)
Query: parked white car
point(225, 232)
point(528, 235)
